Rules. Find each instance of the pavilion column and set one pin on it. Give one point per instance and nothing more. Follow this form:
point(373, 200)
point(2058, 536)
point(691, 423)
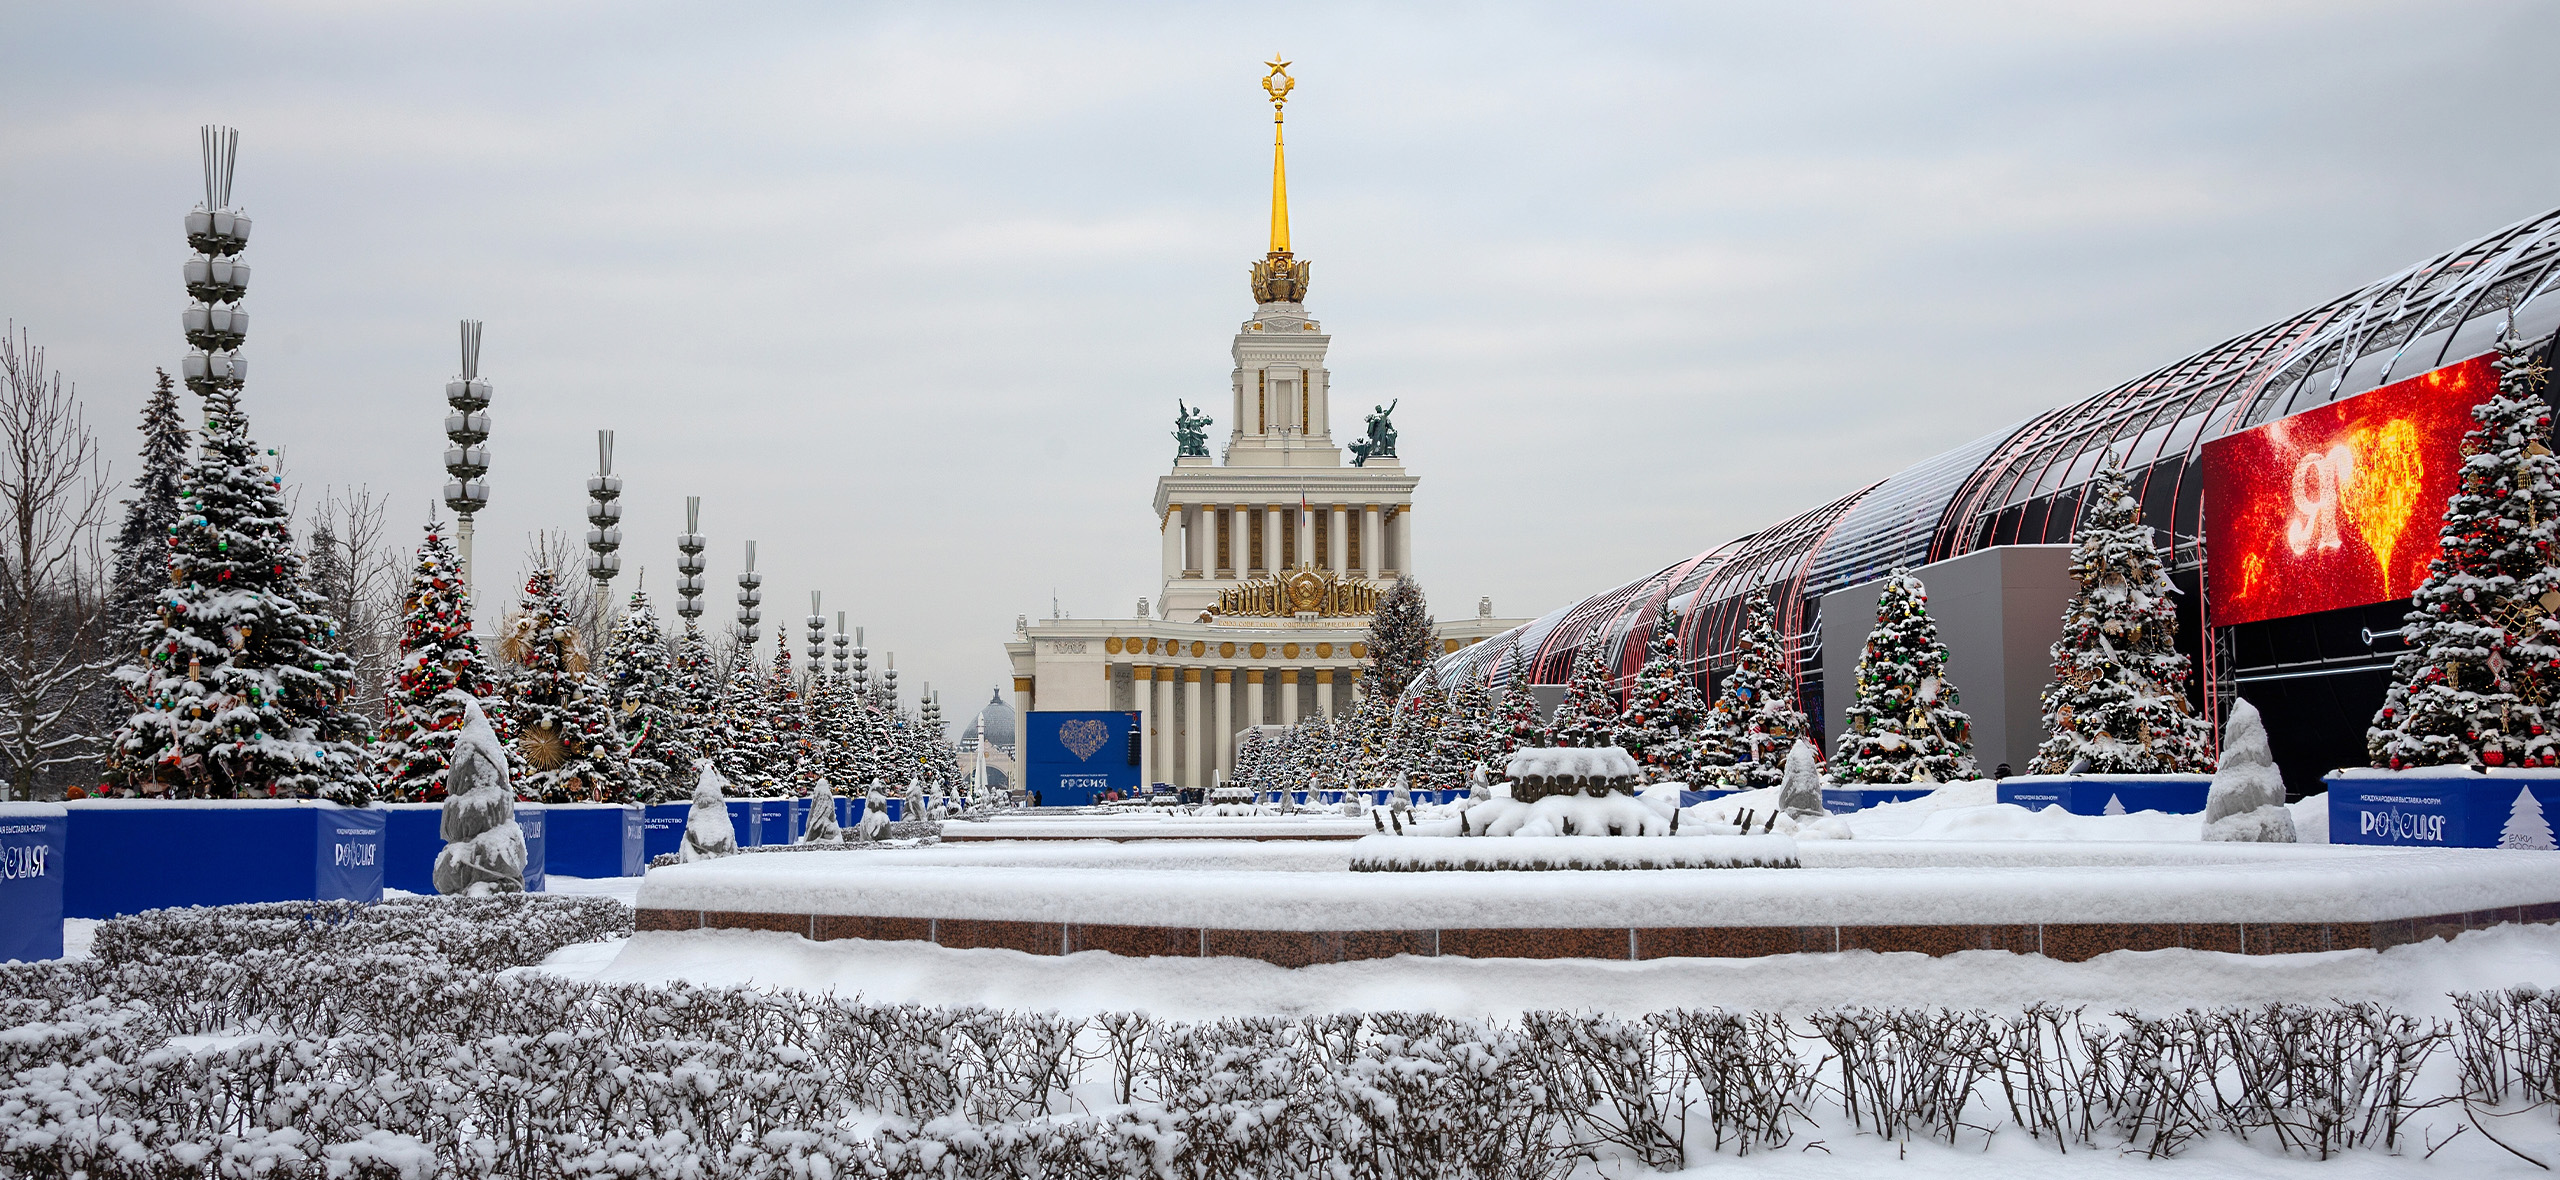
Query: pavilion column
point(1273, 522)
point(1369, 555)
point(1288, 696)
point(1324, 693)
point(1335, 543)
point(1402, 524)
point(1142, 678)
point(1189, 745)
point(1173, 564)
point(1252, 697)
point(1021, 731)
point(1222, 689)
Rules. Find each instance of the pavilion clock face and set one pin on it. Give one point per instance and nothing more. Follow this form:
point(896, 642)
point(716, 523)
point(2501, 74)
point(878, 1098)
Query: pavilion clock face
point(2339, 505)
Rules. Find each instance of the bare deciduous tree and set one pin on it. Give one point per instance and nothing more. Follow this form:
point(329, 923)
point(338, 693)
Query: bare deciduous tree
point(358, 576)
point(55, 495)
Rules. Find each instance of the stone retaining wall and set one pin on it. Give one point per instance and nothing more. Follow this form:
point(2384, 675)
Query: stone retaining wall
point(1302, 948)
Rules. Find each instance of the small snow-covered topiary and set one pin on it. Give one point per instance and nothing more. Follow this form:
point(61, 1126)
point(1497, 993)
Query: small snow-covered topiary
point(1800, 787)
point(875, 814)
point(707, 830)
point(484, 850)
point(822, 827)
point(2246, 802)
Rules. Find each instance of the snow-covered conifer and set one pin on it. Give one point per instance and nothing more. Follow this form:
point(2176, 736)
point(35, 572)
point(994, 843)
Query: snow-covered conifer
point(564, 726)
point(2246, 801)
point(150, 519)
point(1756, 706)
point(787, 721)
point(2483, 629)
point(1519, 724)
point(740, 735)
point(1664, 710)
point(1589, 715)
point(1469, 735)
point(640, 681)
point(2118, 698)
point(484, 850)
point(241, 692)
point(1402, 638)
point(707, 830)
point(442, 671)
point(1906, 724)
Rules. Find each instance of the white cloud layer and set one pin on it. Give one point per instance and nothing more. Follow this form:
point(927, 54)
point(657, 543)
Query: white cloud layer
point(907, 293)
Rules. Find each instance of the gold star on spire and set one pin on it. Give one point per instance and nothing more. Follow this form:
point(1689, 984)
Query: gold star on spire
point(1278, 279)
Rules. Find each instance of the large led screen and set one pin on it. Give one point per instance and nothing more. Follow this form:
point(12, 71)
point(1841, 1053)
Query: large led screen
point(2339, 505)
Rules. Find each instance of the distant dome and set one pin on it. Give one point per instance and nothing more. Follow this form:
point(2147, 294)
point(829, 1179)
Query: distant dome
point(999, 719)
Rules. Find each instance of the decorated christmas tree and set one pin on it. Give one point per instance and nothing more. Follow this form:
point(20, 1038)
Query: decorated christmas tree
point(442, 673)
point(2483, 665)
point(1519, 723)
point(1660, 723)
point(150, 519)
point(1755, 708)
point(640, 681)
point(2118, 699)
point(1402, 638)
point(1253, 762)
point(239, 694)
point(1588, 716)
point(1469, 737)
point(788, 722)
point(1422, 717)
point(740, 737)
point(564, 725)
point(1906, 724)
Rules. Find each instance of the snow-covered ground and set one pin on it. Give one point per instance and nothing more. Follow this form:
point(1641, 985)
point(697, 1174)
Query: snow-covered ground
point(1973, 811)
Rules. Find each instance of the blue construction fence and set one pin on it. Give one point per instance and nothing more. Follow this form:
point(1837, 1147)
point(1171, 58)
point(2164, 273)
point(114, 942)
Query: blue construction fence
point(2444, 807)
point(2108, 794)
point(124, 856)
point(33, 840)
point(758, 822)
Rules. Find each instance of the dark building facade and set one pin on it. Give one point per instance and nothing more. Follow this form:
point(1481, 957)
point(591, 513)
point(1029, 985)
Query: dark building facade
point(2318, 676)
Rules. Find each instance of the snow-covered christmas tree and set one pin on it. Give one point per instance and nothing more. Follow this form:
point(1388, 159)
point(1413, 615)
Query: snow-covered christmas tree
point(2526, 826)
point(1589, 715)
point(1402, 637)
point(1422, 717)
point(1469, 736)
point(442, 672)
point(740, 736)
point(1906, 724)
point(240, 694)
point(2118, 699)
point(2482, 672)
point(640, 681)
point(564, 726)
point(1755, 707)
point(150, 519)
point(1660, 723)
point(787, 723)
point(1519, 724)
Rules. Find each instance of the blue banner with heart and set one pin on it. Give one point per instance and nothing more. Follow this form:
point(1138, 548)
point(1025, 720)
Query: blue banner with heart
point(1074, 757)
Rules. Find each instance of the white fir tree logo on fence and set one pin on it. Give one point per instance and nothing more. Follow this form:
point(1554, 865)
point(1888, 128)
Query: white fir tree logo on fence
point(2526, 827)
point(2483, 664)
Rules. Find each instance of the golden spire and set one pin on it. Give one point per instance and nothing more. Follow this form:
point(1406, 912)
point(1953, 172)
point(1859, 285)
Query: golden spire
point(1278, 84)
point(1278, 279)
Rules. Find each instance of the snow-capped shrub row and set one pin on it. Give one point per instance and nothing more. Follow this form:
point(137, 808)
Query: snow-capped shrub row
point(380, 1043)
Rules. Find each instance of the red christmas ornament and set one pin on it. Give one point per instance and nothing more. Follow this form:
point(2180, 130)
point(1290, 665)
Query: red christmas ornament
point(2494, 756)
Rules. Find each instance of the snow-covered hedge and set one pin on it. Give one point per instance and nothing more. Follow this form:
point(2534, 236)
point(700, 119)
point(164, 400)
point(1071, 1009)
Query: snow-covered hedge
point(356, 1042)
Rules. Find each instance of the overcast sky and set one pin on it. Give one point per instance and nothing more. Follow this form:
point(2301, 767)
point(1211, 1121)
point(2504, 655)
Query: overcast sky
point(907, 294)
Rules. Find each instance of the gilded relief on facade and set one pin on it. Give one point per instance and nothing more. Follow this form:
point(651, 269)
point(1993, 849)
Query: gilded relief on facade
point(1319, 592)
